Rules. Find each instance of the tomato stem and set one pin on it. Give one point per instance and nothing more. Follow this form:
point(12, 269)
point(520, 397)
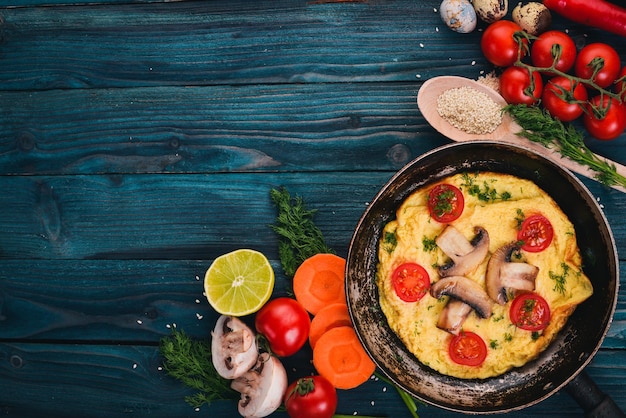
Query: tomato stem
point(597, 64)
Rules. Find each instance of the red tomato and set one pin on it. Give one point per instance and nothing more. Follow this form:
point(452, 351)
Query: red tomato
point(536, 233)
point(610, 122)
point(467, 349)
point(598, 57)
point(530, 311)
point(285, 324)
point(620, 87)
point(311, 397)
point(410, 282)
point(516, 86)
point(498, 44)
point(564, 98)
point(445, 203)
point(549, 46)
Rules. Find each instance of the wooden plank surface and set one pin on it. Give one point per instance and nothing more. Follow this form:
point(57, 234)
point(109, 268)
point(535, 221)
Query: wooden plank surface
point(103, 381)
point(139, 141)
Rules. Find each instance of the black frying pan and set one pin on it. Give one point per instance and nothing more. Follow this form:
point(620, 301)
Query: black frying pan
point(568, 354)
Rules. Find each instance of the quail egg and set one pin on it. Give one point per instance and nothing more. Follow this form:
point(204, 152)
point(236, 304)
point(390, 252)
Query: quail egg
point(458, 15)
point(534, 17)
point(491, 10)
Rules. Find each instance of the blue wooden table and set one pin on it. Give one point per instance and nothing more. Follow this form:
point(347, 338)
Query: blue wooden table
point(140, 140)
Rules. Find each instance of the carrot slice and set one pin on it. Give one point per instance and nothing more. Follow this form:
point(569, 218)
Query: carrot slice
point(319, 282)
point(341, 359)
point(331, 316)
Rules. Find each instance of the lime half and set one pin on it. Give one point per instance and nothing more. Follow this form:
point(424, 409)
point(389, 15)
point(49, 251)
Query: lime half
point(239, 283)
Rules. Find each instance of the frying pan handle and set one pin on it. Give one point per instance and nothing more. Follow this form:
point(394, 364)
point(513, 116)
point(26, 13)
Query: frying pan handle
point(593, 401)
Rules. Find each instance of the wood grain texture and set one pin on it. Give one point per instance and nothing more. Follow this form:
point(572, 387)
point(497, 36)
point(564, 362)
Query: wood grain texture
point(187, 216)
point(243, 42)
point(121, 380)
point(316, 127)
point(308, 127)
point(139, 140)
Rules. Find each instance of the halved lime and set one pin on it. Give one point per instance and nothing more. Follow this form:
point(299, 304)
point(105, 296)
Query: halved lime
point(239, 283)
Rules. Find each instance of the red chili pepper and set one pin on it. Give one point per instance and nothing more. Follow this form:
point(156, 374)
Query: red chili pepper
point(595, 13)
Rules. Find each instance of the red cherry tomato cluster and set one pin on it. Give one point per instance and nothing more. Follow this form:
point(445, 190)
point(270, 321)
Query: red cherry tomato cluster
point(549, 70)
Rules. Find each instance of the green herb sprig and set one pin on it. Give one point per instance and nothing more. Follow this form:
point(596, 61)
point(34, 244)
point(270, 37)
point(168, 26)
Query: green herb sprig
point(539, 126)
point(189, 361)
point(299, 237)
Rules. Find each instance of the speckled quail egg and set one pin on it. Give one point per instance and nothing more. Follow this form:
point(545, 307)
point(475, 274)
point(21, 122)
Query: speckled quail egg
point(491, 10)
point(534, 17)
point(458, 15)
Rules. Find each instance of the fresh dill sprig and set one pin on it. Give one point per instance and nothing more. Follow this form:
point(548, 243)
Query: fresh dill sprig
point(300, 238)
point(486, 193)
point(189, 361)
point(539, 126)
point(560, 280)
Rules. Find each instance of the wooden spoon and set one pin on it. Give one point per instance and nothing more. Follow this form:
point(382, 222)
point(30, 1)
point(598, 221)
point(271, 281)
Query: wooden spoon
point(506, 132)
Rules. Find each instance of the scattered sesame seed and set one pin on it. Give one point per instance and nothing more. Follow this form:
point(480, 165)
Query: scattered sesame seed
point(199, 316)
point(197, 300)
point(418, 75)
point(437, 29)
point(385, 389)
point(421, 45)
point(435, 9)
point(372, 403)
point(159, 368)
point(139, 321)
point(168, 326)
point(174, 325)
point(473, 62)
point(197, 277)
point(197, 409)
point(134, 365)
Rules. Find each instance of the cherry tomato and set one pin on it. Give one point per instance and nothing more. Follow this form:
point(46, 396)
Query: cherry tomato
point(545, 49)
point(445, 203)
point(498, 44)
point(467, 349)
point(410, 282)
point(536, 233)
point(530, 311)
point(612, 124)
point(311, 397)
point(601, 57)
point(564, 98)
point(285, 324)
point(516, 86)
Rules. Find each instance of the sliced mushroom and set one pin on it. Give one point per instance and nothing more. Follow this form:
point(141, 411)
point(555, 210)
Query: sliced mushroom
point(262, 388)
point(465, 290)
point(503, 274)
point(453, 316)
point(464, 255)
point(233, 347)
